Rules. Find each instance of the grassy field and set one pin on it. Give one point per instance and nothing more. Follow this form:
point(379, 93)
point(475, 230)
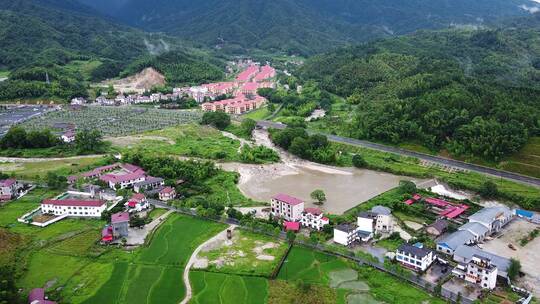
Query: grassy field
point(156, 212)
point(241, 256)
point(84, 68)
point(115, 121)
point(190, 140)
point(258, 114)
point(527, 161)
point(210, 288)
point(36, 170)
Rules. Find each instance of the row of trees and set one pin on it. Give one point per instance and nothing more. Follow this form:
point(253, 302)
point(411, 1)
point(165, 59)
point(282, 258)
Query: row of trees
point(311, 147)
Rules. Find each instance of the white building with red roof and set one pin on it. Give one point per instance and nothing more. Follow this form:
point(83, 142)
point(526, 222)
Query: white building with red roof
point(248, 74)
point(137, 203)
point(287, 207)
point(314, 218)
point(8, 189)
point(167, 194)
point(68, 136)
point(73, 207)
point(125, 176)
point(266, 72)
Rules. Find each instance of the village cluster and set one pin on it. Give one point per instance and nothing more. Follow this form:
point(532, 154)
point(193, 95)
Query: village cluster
point(464, 245)
point(242, 92)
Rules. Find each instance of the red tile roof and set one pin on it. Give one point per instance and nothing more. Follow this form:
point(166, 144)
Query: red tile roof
point(118, 178)
point(138, 197)
point(292, 226)
point(167, 190)
point(7, 182)
point(120, 217)
point(290, 200)
point(74, 202)
point(314, 211)
point(248, 73)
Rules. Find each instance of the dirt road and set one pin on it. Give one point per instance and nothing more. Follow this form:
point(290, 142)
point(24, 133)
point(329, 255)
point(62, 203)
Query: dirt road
point(193, 259)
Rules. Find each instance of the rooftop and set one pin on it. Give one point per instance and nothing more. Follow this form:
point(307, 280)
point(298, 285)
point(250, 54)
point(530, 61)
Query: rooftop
point(314, 211)
point(287, 199)
point(7, 182)
point(74, 202)
point(120, 217)
point(414, 250)
point(467, 253)
point(456, 239)
point(381, 210)
point(346, 227)
point(491, 214)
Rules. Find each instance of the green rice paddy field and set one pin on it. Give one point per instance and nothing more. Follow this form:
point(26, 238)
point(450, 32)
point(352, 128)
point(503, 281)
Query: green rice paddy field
point(210, 288)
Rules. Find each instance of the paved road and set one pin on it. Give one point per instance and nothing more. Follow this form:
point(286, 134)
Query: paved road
point(434, 159)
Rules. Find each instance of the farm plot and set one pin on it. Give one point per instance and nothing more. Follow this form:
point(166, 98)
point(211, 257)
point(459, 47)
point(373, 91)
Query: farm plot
point(213, 288)
point(114, 121)
point(155, 272)
point(40, 167)
point(245, 253)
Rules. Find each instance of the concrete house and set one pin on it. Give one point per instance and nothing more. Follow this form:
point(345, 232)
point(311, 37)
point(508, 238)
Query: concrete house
point(438, 227)
point(479, 270)
point(464, 254)
point(314, 218)
point(345, 234)
point(451, 242)
point(287, 207)
point(148, 184)
point(9, 189)
point(478, 230)
point(384, 222)
point(73, 207)
point(415, 257)
point(167, 194)
point(137, 203)
point(120, 224)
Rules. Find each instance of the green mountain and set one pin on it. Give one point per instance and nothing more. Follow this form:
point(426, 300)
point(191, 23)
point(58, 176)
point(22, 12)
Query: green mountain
point(71, 44)
point(300, 26)
point(471, 92)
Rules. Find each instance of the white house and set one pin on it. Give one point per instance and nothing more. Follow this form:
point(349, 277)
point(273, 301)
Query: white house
point(78, 101)
point(384, 222)
point(68, 136)
point(73, 207)
point(8, 189)
point(287, 207)
point(137, 203)
point(313, 218)
point(366, 225)
point(149, 183)
point(479, 270)
point(415, 256)
point(167, 194)
point(345, 234)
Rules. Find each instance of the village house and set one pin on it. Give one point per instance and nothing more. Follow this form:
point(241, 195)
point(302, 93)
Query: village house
point(137, 203)
point(266, 72)
point(415, 257)
point(9, 189)
point(451, 242)
point(73, 207)
point(248, 74)
point(148, 184)
point(68, 136)
point(438, 227)
point(77, 101)
point(465, 254)
point(384, 222)
point(493, 218)
point(313, 218)
point(287, 207)
point(345, 234)
point(126, 176)
point(117, 229)
point(167, 194)
point(479, 270)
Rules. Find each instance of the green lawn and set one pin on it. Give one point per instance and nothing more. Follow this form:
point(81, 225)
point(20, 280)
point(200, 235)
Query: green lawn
point(211, 288)
point(187, 140)
point(36, 170)
point(247, 263)
point(259, 114)
point(156, 212)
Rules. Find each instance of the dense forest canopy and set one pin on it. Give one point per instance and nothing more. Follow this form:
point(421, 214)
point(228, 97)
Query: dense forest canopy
point(300, 26)
point(472, 92)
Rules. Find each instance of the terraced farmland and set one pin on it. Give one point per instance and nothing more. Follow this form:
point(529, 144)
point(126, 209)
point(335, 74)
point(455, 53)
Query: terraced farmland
point(114, 121)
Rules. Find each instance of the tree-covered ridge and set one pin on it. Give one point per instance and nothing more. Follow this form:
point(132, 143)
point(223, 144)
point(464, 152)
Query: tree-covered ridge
point(300, 26)
point(472, 92)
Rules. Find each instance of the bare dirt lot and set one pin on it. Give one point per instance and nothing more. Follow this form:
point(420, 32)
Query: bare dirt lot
point(529, 255)
point(144, 80)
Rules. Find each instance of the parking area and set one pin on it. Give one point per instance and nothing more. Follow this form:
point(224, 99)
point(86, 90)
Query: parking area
point(528, 255)
point(437, 272)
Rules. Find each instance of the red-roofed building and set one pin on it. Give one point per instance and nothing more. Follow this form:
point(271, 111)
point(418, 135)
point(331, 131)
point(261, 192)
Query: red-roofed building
point(314, 218)
point(9, 189)
point(37, 296)
point(137, 203)
point(287, 207)
point(73, 207)
point(250, 88)
point(68, 136)
point(167, 194)
point(120, 224)
point(291, 226)
point(248, 74)
point(266, 72)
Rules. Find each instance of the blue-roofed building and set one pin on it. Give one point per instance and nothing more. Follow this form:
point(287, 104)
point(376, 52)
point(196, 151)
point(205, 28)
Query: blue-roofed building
point(451, 242)
point(524, 213)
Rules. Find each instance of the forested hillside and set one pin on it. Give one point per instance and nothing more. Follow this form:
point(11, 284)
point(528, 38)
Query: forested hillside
point(301, 26)
point(73, 44)
point(472, 92)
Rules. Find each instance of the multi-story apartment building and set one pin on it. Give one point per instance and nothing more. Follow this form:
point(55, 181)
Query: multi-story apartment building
point(287, 207)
